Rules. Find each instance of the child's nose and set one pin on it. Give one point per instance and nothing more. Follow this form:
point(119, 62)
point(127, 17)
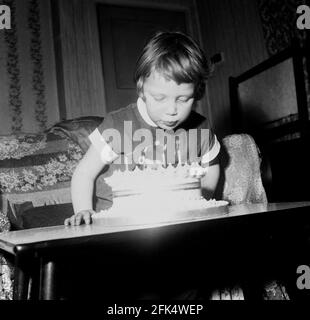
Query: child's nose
point(172, 108)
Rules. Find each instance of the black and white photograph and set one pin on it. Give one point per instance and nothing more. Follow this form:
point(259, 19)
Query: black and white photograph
point(154, 154)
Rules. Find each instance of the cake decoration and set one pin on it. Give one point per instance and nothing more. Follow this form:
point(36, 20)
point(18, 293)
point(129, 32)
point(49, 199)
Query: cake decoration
point(156, 193)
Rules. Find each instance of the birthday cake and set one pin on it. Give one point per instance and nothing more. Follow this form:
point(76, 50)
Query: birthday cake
point(158, 193)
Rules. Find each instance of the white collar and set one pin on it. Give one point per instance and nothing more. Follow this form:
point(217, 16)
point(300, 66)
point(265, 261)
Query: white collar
point(143, 112)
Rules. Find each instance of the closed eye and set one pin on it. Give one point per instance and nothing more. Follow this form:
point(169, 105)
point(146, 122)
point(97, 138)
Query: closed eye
point(184, 99)
point(159, 98)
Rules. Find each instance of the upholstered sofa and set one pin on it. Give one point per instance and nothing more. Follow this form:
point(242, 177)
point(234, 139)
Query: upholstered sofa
point(35, 176)
point(36, 170)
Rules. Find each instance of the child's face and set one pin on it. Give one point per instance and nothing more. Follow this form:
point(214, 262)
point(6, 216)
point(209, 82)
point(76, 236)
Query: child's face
point(168, 103)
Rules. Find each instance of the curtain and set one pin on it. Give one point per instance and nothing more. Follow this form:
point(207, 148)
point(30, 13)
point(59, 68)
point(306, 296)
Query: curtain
point(28, 93)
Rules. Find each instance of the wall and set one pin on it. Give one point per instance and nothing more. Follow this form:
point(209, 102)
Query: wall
point(79, 65)
point(245, 31)
point(279, 23)
point(279, 27)
point(79, 69)
point(234, 28)
point(28, 92)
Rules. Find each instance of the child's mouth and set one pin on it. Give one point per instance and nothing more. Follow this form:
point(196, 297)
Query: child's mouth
point(170, 123)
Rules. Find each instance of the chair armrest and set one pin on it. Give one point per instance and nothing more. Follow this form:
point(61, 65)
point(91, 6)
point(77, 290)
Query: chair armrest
point(266, 174)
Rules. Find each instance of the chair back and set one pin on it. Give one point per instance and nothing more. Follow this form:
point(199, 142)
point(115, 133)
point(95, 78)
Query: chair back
point(241, 180)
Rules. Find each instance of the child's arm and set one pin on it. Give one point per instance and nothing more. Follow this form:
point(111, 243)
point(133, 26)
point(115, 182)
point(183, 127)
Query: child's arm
point(82, 186)
point(209, 181)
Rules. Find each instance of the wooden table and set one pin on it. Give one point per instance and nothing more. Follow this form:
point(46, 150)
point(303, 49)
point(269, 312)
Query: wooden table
point(129, 236)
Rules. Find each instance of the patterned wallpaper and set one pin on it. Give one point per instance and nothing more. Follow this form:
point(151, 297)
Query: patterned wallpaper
point(28, 96)
point(28, 91)
point(38, 83)
point(279, 23)
point(13, 71)
point(278, 19)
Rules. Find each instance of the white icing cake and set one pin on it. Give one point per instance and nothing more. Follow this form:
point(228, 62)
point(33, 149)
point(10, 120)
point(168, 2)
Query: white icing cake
point(157, 192)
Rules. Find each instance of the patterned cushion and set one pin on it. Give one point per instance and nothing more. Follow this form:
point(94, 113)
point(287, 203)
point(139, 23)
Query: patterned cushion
point(33, 163)
point(241, 180)
point(36, 168)
point(78, 129)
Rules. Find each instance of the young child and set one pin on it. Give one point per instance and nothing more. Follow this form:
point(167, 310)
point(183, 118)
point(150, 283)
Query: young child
point(170, 76)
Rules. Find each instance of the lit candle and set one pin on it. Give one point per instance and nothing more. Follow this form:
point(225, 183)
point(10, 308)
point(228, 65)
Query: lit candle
point(126, 163)
point(144, 153)
point(179, 152)
point(164, 155)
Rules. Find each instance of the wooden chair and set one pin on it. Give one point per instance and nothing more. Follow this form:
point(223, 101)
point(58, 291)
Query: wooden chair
point(243, 177)
point(269, 102)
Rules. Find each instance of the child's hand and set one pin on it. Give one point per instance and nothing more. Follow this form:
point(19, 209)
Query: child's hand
point(81, 217)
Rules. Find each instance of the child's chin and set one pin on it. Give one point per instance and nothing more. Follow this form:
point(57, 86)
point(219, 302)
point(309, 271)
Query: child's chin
point(165, 127)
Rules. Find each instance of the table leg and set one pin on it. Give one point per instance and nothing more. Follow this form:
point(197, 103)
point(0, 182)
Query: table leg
point(47, 282)
point(21, 279)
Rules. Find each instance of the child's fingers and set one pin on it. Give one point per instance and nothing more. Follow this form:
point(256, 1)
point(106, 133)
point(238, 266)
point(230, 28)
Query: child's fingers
point(73, 220)
point(79, 218)
point(87, 217)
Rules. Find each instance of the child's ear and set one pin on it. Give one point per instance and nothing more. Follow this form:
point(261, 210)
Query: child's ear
point(140, 101)
point(142, 96)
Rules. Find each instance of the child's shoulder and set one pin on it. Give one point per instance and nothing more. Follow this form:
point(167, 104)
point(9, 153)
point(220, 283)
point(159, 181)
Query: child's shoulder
point(117, 117)
point(124, 110)
point(195, 120)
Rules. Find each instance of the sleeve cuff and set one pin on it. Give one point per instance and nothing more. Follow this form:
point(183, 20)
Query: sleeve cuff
point(212, 153)
point(105, 151)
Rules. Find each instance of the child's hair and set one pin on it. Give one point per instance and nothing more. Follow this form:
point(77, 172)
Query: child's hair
point(177, 57)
